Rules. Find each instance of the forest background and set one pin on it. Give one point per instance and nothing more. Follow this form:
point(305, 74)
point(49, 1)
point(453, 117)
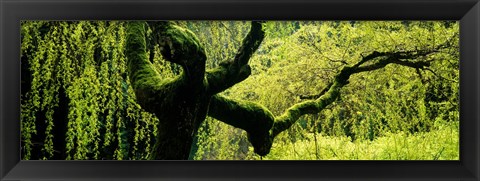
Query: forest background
point(78, 102)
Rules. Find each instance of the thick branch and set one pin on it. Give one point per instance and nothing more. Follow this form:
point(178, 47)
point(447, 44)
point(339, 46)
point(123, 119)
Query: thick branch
point(180, 103)
point(247, 115)
point(234, 71)
point(143, 77)
point(291, 115)
point(180, 46)
point(255, 119)
point(138, 67)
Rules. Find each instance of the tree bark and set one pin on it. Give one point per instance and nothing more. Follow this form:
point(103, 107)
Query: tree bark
point(255, 119)
point(182, 103)
point(231, 72)
point(245, 115)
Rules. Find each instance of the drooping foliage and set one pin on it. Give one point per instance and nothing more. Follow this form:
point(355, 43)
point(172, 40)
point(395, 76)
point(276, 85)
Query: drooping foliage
point(78, 101)
point(75, 91)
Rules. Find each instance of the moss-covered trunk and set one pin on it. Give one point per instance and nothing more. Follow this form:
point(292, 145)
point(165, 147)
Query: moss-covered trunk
point(179, 121)
point(181, 103)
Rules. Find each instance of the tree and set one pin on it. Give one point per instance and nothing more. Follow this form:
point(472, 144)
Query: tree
point(182, 103)
point(162, 90)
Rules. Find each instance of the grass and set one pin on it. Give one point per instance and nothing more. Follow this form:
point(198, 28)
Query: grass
point(439, 144)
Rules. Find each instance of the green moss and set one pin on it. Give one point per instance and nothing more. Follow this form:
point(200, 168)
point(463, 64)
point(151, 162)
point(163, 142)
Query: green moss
point(181, 46)
point(254, 118)
point(225, 76)
point(231, 72)
point(180, 103)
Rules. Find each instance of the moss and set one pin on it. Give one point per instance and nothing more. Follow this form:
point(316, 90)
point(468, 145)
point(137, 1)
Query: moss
point(139, 68)
point(231, 72)
point(254, 118)
point(181, 46)
point(180, 103)
point(225, 76)
point(291, 115)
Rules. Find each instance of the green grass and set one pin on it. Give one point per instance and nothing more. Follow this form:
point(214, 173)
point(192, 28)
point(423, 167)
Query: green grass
point(440, 144)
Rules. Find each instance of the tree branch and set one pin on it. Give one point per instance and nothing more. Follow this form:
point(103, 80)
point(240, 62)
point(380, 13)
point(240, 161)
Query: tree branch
point(316, 96)
point(439, 76)
point(177, 45)
point(180, 46)
point(143, 77)
point(292, 114)
point(254, 118)
point(248, 115)
point(231, 72)
point(389, 57)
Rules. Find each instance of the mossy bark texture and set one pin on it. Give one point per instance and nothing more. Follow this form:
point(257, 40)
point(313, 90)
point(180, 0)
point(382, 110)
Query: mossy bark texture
point(182, 103)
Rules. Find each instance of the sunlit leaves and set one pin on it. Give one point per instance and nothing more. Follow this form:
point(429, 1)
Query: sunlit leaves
point(219, 35)
point(86, 60)
point(375, 104)
point(384, 109)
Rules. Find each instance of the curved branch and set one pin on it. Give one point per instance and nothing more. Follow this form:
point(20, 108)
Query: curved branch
point(292, 114)
point(254, 118)
point(391, 57)
point(234, 71)
point(143, 77)
point(180, 103)
point(316, 96)
point(177, 45)
point(248, 115)
point(180, 46)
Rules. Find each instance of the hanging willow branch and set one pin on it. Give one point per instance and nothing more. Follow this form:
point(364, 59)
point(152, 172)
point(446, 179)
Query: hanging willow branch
point(231, 72)
point(64, 57)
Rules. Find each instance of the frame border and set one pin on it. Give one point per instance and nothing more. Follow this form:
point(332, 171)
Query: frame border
point(12, 12)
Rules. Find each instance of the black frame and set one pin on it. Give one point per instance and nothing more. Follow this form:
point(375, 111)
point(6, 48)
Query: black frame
point(13, 11)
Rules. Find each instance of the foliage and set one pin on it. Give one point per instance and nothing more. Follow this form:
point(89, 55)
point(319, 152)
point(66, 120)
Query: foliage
point(75, 73)
point(434, 145)
point(85, 61)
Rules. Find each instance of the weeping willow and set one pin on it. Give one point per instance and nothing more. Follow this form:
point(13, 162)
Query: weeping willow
point(78, 103)
point(75, 86)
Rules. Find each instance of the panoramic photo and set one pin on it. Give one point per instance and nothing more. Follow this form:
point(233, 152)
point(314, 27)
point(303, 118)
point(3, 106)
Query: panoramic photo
point(240, 90)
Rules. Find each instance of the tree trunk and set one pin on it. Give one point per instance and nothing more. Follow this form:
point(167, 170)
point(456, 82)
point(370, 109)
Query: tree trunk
point(181, 103)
